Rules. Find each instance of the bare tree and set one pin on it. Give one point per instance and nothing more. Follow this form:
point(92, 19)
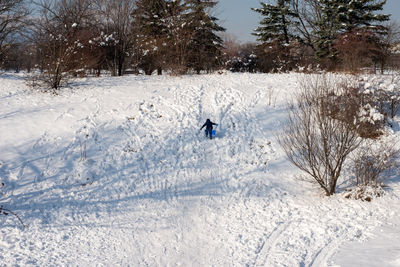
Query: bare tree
point(390, 58)
point(313, 140)
point(359, 49)
point(62, 35)
point(115, 23)
point(12, 13)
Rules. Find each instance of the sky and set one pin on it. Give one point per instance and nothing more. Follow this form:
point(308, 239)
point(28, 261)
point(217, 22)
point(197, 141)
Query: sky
point(239, 20)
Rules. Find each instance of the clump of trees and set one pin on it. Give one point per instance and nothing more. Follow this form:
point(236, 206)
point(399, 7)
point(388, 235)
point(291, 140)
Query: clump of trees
point(239, 57)
point(12, 16)
point(327, 33)
point(68, 38)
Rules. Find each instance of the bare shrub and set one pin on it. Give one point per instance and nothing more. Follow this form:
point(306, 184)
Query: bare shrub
point(374, 162)
point(359, 108)
point(313, 140)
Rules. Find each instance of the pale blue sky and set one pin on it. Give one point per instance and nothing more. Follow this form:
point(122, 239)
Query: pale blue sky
point(239, 20)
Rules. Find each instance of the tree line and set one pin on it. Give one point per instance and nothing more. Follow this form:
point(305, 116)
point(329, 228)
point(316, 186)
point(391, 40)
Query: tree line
point(335, 34)
point(61, 38)
point(72, 37)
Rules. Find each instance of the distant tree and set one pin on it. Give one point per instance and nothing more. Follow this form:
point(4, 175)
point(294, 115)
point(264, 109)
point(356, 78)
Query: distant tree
point(357, 50)
point(205, 47)
point(20, 56)
point(12, 15)
point(62, 35)
point(276, 33)
point(114, 33)
point(392, 39)
point(151, 32)
point(239, 57)
point(361, 14)
point(321, 22)
point(359, 17)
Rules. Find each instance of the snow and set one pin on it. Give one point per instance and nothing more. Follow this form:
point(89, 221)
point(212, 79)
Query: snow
point(370, 114)
point(384, 244)
point(113, 171)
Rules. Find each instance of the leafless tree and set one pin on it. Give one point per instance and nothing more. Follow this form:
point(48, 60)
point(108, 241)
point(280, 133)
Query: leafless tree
point(390, 58)
point(114, 21)
point(12, 13)
point(309, 15)
point(313, 140)
point(359, 49)
point(62, 35)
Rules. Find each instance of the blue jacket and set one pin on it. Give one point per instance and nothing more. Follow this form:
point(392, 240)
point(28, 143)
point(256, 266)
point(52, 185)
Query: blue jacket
point(209, 125)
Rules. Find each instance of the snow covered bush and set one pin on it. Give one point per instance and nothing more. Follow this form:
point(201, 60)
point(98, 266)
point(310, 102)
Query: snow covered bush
point(383, 97)
point(315, 141)
point(364, 192)
point(367, 103)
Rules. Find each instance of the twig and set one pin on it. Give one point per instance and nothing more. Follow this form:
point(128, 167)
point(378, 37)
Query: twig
point(4, 211)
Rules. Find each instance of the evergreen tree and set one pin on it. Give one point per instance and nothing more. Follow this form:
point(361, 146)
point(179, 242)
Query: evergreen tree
point(360, 14)
point(276, 35)
point(360, 19)
point(338, 16)
point(205, 47)
point(150, 32)
point(179, 36)
point(276, 24)
point(327, 28)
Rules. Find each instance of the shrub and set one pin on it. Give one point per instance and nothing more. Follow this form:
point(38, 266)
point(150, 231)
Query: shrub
point(315, 141)
point(374, 162)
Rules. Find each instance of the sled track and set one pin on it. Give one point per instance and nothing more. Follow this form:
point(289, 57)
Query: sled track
point(263, 253)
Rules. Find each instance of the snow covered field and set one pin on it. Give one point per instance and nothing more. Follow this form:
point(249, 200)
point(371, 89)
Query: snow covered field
point(115, 172)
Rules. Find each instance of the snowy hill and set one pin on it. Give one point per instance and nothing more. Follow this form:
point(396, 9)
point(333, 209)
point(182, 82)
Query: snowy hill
point(115, 172)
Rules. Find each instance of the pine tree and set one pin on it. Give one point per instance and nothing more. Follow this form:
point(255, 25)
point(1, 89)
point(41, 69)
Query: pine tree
point(360, 14)
point(339, 16)
point(276, 35)
point(179, 36)
point(276, 24)
point(205, 47)
point(150, 32)
point(327, 28)
point(360, 19)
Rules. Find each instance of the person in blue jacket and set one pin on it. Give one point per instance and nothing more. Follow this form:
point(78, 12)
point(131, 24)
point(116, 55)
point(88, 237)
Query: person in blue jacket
point(209, 127)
